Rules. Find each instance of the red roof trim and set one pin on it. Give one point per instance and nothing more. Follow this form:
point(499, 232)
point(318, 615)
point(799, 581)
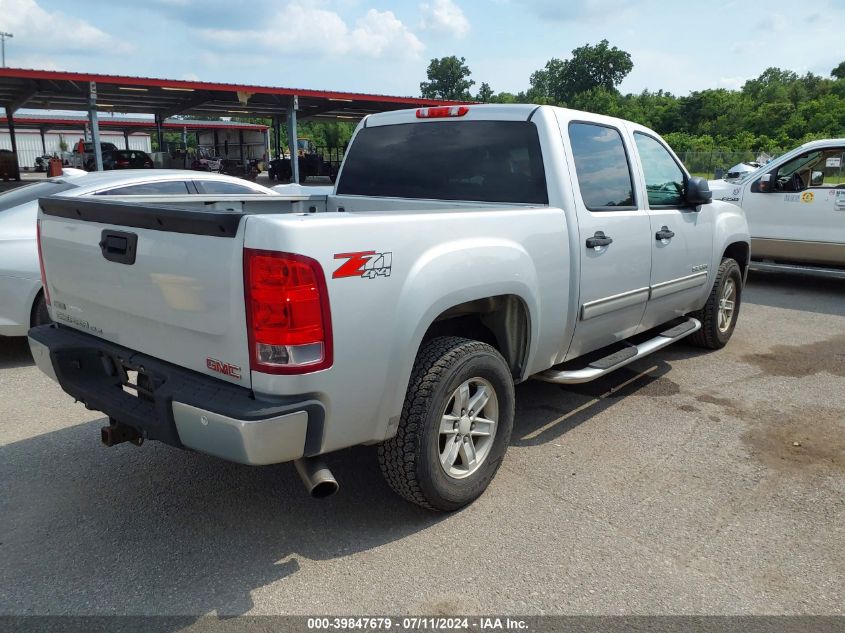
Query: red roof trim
point(23, 73)
point(117, 123)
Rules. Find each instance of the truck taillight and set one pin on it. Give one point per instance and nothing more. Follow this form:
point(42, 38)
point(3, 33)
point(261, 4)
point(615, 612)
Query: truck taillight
point(41, 262)
point(441, 112)
point(287, 311)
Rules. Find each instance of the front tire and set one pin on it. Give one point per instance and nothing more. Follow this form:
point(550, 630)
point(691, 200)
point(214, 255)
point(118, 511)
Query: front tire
point(455, 425)
point(718, 316)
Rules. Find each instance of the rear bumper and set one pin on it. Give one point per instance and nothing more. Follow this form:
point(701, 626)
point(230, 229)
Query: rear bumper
point(180, 407)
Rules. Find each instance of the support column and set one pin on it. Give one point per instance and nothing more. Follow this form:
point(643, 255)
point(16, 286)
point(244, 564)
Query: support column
point(126, 138)
point(95, 127)
point(292, 139)
point(184, 147)
point(159, 132)
point(241, 147)
point(43, 141)
point(277, 135)
point(11, 122)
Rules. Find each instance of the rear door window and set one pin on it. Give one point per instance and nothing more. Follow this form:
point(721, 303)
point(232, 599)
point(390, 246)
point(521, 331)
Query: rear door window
point(167, 187)
point(483, 161)
point(602, 167)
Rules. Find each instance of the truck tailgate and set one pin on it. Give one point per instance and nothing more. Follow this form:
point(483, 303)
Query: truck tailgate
point(167, 282)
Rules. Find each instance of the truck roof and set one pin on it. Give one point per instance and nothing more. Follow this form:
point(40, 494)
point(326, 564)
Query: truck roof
point(827, 142)
point(492, 111)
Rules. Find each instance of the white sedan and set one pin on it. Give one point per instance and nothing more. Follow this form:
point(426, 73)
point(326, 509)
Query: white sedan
point(21, 300)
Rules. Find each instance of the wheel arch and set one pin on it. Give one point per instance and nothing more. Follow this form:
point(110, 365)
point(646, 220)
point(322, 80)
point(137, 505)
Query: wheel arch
point(502, 321)
point(741, 253)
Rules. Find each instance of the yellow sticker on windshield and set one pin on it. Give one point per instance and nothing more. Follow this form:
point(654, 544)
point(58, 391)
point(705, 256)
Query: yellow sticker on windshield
point(807, 196)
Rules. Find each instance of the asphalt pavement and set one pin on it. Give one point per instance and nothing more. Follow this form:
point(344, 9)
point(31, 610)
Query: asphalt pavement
point(686, 483)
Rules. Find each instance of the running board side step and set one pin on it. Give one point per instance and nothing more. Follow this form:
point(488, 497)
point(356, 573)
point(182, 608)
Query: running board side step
point(773, 267)
point(603, 366)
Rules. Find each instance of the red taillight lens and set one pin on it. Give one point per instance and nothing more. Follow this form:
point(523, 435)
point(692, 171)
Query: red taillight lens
point(287, 310)
point(441, 112)
point(41, 262)
point(123, 163)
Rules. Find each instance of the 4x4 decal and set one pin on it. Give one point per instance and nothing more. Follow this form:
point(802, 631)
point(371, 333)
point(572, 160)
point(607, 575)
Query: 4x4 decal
point(366, 264)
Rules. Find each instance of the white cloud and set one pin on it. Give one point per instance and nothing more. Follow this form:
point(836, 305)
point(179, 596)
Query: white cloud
point(444, 16)
point(731, 83)
point(774, 22)
point(37, 29)
point(41, 62)
point(574, 10)
point(299, 28)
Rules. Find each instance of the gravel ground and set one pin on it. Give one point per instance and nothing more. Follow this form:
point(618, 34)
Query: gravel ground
point(687, 483)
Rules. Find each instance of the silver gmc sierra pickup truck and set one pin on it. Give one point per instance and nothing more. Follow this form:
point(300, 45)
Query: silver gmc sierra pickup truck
point(463, 249)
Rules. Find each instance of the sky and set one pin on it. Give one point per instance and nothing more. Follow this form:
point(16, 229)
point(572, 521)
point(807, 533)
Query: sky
point(384, 47)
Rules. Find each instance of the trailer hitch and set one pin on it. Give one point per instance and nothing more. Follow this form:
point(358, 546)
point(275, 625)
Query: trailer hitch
point(117, 433)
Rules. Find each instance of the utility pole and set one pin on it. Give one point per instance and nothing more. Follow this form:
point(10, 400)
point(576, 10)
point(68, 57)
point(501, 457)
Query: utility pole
point(3, 37)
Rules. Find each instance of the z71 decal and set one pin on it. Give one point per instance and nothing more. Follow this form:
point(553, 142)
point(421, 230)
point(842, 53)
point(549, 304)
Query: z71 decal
point(366, 264)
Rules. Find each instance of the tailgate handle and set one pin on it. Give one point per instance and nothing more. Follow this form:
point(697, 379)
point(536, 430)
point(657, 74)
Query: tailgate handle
point(119, 246)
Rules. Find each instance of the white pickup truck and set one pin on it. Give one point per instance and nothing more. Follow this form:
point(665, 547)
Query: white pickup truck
point(462, 250)
point(795, 207)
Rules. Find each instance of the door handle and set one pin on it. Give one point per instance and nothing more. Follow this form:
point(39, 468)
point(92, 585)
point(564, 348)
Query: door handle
point(119, 246)
point(599, 239)
point(664, 234)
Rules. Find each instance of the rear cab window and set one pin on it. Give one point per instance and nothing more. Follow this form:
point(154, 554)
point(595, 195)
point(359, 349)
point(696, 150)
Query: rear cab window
point(602, 167)
point(478, 161)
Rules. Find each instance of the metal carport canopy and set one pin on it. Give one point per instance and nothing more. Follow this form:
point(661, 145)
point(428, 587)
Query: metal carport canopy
point(60, 90)
point(57, 90)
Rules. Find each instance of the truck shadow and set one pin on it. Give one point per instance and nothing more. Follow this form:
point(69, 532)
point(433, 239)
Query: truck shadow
point(14, 352)
point(87, 529)
point(545, 411)
point(796, 291)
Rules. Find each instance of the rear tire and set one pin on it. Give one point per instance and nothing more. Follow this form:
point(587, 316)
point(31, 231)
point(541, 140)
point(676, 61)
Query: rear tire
point(455, 425)
point(40, 314)
point(718, 316)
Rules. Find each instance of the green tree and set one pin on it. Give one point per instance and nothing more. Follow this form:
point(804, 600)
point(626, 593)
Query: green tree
point(599, 66)
point(448, 78)
point(839, 71)
point(485, 93)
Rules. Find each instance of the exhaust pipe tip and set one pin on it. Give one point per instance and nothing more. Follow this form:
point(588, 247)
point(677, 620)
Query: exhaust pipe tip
point(316, 476)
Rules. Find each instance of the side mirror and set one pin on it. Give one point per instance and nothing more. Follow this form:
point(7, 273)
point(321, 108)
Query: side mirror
point(767, 183)
point(817, 179)
point(698, 191)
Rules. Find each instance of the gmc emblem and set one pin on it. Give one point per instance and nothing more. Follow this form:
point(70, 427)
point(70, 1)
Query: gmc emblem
point(227, 369)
